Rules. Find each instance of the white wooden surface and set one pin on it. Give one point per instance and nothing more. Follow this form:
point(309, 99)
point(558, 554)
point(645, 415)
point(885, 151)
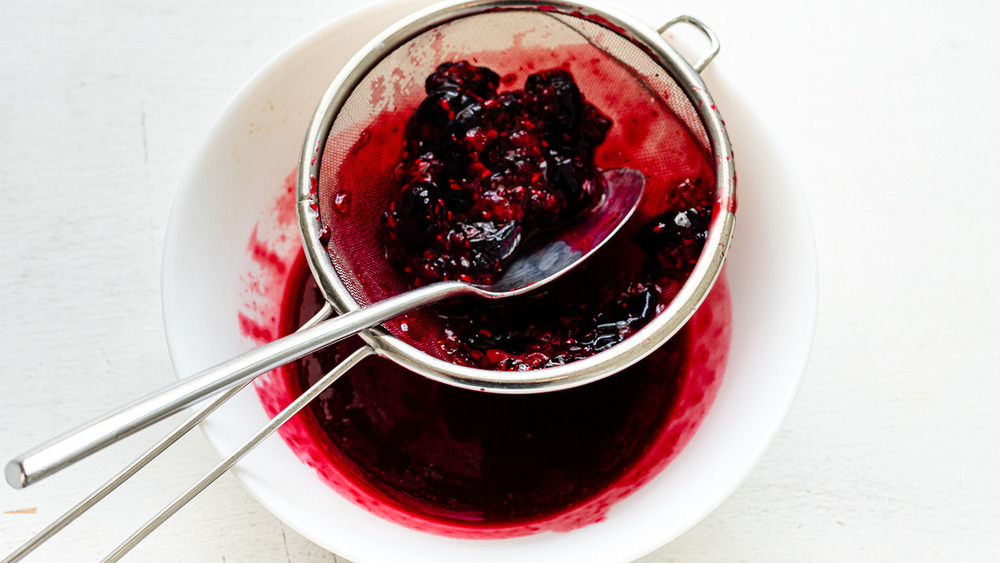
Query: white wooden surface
point(887, 109)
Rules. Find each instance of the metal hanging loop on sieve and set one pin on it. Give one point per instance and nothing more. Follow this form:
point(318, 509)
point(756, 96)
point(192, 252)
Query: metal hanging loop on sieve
point(700, 26)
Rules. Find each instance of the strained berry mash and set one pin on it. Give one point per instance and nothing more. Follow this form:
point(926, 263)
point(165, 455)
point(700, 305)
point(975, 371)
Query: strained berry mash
point(480, 172)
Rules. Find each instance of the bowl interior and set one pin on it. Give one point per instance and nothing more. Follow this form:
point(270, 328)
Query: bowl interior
point(234, 183)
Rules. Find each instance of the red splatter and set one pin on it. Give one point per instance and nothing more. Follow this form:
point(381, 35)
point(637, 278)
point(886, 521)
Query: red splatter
point(263, 255)
point(252, 329)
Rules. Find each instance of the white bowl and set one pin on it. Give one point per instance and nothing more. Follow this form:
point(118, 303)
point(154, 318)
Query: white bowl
point(232, 192)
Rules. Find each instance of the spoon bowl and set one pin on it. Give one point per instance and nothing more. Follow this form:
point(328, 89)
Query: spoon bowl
point(550, 257)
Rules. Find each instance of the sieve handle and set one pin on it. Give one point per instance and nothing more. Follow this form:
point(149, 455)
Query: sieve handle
point(713, 39)
point(75, 445)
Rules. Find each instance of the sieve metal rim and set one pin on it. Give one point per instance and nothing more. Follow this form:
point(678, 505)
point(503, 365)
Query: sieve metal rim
point(620, 356)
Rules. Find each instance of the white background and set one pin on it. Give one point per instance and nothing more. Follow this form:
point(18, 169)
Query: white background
point(888, 110)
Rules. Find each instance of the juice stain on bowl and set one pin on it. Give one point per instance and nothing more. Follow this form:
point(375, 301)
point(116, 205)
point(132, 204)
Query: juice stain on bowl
point(466, 464)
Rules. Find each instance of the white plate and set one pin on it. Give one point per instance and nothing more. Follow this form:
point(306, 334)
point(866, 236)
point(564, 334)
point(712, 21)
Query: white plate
point(231, 185)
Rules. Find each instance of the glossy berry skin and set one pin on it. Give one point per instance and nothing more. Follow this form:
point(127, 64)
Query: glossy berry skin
point(421, 215)
point(673, 240)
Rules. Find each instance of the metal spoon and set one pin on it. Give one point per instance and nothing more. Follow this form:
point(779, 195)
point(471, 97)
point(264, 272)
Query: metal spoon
point(541, 262)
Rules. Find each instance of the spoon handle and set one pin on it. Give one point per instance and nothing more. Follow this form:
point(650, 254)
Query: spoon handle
point(225, 465)
point(69, 448)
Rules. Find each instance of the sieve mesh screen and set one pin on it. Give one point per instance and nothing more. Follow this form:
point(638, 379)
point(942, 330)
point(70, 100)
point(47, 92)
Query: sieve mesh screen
point(653, 121)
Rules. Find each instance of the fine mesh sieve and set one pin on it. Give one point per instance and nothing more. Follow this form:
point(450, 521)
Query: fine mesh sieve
point(621, 66)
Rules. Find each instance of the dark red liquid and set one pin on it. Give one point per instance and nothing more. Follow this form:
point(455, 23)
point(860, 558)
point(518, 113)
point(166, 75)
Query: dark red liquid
point(477, 464)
